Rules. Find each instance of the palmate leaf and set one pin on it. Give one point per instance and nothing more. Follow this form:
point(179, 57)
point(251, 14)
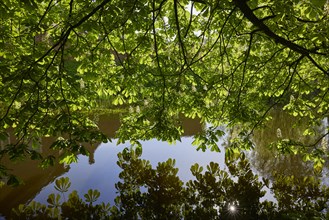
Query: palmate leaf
point(92, 196)
point(54, 200)
point(48, 161)
point(196, 169)
point(106, 207)
point(13, 181)
point(62, 184)
point(68, 158)
point(35, 155)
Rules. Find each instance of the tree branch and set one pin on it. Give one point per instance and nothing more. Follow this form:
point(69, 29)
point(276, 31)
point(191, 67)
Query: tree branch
point(178, 32)
point(249, 14)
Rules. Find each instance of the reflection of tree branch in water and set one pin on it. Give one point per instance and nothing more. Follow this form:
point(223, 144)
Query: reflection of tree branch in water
point(281, 127)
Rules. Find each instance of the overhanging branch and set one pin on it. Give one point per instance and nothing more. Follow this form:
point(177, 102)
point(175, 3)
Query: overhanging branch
point(249, 14)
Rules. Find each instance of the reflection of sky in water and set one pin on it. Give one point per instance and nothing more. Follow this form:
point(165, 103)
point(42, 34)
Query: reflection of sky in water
point(103, 174)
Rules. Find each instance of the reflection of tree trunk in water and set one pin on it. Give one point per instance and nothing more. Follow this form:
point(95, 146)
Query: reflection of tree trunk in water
point(265, 160)
point(91, 157)
point(327, 127)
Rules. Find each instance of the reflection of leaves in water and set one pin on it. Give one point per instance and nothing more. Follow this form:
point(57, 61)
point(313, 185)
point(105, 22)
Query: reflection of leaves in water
point(208, 196)
point(53, 200)
point(164, 195)
point(63, 184)
point(282, 146)
point(300, 194)
point(92, 196)
point(145, 192)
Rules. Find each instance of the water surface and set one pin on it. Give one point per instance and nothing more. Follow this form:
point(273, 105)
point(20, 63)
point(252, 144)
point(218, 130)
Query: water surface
point(100, 171)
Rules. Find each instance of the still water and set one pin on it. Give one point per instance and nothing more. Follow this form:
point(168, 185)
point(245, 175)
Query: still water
point(103, 174)
point(100, 171)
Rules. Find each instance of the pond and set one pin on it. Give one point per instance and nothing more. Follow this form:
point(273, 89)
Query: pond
point(100, 170)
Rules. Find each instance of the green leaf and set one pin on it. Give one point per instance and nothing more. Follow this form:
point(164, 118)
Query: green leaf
point(62, 184)
point(13, 181)
point(319, 3)
point(48, 161)
point(68, 158)
point(92, 195)
point(36, 156)
point(53, 200)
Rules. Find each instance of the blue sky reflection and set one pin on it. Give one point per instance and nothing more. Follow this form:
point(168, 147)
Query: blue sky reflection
point(103, 174)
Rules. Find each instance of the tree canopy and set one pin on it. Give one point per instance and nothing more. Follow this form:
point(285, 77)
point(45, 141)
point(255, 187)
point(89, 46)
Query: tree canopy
point(226, 62)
